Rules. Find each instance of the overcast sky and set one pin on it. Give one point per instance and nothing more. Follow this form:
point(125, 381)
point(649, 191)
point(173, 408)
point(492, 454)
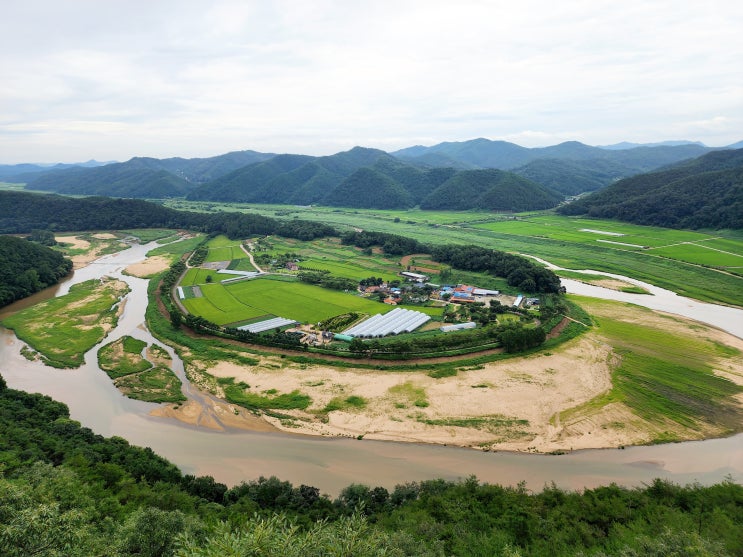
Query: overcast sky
point(110, 79)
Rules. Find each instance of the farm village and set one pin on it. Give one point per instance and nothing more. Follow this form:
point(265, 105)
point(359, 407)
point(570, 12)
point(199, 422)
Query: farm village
point(400, 303)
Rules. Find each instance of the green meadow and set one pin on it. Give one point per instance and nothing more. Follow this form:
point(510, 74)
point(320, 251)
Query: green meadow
point(174, 250)
point(666, 373)
point(62, 329)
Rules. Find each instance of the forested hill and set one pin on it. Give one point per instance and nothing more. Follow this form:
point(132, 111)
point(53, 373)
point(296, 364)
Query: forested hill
point(492, 190)
point(706, 192)
point(141, 177)
point(368, 178)
point(135, 178)
point(484, 153)
point(27, 267)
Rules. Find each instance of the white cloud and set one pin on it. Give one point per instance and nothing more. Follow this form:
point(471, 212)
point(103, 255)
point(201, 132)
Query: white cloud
point(191, 78)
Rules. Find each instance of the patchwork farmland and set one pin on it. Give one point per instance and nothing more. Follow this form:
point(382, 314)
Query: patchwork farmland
point(280, 294)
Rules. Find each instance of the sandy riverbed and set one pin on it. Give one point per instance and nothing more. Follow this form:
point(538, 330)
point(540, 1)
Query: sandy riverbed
point(91, 252)
point(149, 267)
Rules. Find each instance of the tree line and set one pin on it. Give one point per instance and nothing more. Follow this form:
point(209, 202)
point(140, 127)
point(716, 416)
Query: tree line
point(22, 212)
point(65, 490)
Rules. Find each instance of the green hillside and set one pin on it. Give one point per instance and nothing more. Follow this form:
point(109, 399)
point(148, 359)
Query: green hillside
point(703, 193)
point(368, 188)
point(574, 177)
point(490, 190)
point(132, 179)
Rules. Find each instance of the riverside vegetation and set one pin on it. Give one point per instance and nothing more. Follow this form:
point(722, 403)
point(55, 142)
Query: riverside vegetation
point(136, 376)
point(67, 491)
point(63, 329)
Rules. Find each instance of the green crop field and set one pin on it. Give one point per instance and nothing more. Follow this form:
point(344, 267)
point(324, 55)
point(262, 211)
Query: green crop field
point(198, 276)
point(222, 248)
point(722, 244)
point(300, 301)
point(246, 300)
point(702, 254)
point(349, 270)
point(236, 313)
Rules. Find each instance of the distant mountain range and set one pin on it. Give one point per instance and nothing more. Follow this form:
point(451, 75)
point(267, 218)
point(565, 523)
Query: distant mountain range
point(706, 192)
point(476, 174)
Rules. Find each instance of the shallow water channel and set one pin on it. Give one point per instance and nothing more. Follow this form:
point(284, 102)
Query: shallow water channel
point(333, 463)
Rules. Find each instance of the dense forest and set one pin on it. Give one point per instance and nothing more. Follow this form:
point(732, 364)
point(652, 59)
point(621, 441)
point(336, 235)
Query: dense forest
point(363, 178)
point(574, 177)
point(490, 190)
point(703, 193)
point(484, 153)
point(139, 177)
point(369, 178)
point(27, 267)
point(66, 491)
point(22, 212)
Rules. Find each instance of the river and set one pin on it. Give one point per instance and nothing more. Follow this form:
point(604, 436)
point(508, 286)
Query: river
point(331, 464)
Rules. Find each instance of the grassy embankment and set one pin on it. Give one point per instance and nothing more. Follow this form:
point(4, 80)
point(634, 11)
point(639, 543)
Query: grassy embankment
point(673, 375)
point(62, 329)
point(137, 377)
point(561, 241)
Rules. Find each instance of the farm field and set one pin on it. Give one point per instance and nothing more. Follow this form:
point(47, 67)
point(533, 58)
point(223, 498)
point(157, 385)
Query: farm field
point(703, 254)
point(560, 240)
point(331, 255)
point(247, 300)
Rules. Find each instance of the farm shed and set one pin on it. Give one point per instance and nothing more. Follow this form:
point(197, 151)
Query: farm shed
point(458, 327)
point(267, 325)
point(485, 292)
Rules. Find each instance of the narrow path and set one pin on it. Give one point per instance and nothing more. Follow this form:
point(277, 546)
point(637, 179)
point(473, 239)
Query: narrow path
point(250, 256)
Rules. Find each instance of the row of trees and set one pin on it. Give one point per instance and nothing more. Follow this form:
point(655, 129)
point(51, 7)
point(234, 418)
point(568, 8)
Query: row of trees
point(65, 490)
point(517, 270)
point(392, 244)
point(512, 336)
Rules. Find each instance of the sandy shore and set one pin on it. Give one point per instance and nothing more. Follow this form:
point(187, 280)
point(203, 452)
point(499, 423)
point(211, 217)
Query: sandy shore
point(149, 267)
point(91, 252)
point(503, 405)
